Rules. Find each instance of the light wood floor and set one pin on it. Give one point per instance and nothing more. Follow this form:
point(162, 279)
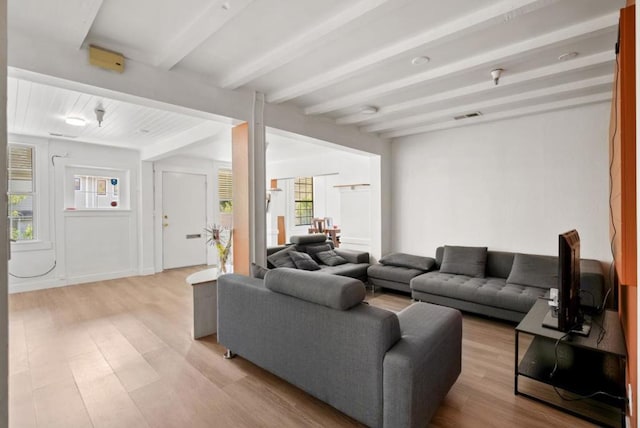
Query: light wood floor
point(119, 354)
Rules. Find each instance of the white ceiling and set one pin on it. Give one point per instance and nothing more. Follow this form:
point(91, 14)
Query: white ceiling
point(331, 58)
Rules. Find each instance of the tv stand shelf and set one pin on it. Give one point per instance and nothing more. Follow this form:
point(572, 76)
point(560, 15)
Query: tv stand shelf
point(584, 367)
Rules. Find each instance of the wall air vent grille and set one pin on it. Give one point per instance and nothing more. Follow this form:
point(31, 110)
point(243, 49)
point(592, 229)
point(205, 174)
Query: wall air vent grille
point(468, 115)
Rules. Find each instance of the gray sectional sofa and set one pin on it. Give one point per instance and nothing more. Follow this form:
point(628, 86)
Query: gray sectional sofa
point(498, 284)
point(313, 330)
point(349, 263)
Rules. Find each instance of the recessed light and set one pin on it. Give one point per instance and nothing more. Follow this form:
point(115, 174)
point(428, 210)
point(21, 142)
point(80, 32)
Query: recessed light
point(226, 6)
point(420, 60)
point(369, 110)
point(75, 121)
point(144, 131)
point(568, 55)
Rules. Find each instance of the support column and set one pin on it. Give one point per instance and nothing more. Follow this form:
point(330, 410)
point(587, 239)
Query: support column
point(249, 190)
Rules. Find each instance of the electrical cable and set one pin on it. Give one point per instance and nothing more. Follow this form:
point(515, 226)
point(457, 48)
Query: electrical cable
point(38, 275)
point(579, 397)
point(613, 152)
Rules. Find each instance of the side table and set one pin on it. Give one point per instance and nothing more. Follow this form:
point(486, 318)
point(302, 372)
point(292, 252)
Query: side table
point(205, 302)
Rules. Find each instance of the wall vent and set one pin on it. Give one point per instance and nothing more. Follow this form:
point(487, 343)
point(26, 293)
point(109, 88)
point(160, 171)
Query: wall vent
point(468, 115)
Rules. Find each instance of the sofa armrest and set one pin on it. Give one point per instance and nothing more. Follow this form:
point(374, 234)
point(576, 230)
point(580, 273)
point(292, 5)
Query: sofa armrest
point(353, 256)
point(591, 283)
point(421, 367)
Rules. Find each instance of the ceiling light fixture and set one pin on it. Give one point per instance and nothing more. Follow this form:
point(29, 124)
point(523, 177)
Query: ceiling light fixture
point(99, 115)
point(420, 60)
point(75, 121)
point(567, 55)
point(369, 110)
point(495, 74)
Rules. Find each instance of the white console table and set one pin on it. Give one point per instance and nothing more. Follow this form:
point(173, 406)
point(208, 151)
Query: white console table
point(205, 302)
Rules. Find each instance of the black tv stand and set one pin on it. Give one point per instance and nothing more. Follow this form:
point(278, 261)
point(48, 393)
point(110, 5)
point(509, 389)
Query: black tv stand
point(551, 321)
point(589, 373)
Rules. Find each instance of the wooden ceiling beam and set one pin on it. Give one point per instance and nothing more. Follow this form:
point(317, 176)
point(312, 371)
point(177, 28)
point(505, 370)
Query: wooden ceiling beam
point(456, 29)
point(575, 32)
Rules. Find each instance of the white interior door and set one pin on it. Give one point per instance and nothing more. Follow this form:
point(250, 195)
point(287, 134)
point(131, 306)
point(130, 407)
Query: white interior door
point(184, 217)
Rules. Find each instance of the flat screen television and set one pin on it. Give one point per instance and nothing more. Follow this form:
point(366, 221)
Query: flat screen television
point(567, 316)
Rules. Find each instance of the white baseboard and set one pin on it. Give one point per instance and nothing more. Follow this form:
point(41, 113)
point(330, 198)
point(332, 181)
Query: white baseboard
point(62, 282)
point(36, 285)
point(147, 271)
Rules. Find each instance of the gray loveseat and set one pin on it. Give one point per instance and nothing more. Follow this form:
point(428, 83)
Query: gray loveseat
point(499, 284)
point(313, 330)
point(349, 263)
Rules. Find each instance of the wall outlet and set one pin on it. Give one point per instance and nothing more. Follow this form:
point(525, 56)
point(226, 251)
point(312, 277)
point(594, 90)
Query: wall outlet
point(630, 399)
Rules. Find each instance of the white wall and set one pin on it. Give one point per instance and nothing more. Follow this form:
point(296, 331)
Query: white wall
point(510, 185)
point(84, 245)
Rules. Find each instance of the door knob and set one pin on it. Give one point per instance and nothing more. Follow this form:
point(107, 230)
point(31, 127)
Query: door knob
point(165, 224)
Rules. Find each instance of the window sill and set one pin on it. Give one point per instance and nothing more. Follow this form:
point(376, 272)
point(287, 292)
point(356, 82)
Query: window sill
point(97, 210)
point(36, 245)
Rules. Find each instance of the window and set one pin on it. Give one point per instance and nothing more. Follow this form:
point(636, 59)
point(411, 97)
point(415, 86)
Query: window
point(303, 196)
point(95, 192)
point(225, 197)
point(21, 192)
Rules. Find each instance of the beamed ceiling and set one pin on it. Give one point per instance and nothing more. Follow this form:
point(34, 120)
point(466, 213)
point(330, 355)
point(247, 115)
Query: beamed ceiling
point(336, 58)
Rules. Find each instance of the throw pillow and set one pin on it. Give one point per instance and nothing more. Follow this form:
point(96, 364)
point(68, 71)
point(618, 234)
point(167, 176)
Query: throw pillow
point(469, 261)
point(258, 271)
point(313, 250)
point(534, 271)
point(330, 258)
point(408, 261)
point(303, 261)
point(282, 259)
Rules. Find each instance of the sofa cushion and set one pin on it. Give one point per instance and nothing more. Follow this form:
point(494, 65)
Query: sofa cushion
point(408, 261)
point(488, 291)
point(282, 258)
point(333, 291)
point(393, 273)
point(469, 261)
point(258, 271)
point(313, 250)
point(534, 271)
point(313, 238)
point(330, 258)
point(303, 261)
point(353, 270)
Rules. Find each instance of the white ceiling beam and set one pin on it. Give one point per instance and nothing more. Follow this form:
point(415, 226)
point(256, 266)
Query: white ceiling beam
point(603, 23)
point(89, 11)
point(541, 108)
point(496, 102)
point(182, 140)
point(496, 14)
point(507, 80)
point(297, 46)
point(207, 24)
